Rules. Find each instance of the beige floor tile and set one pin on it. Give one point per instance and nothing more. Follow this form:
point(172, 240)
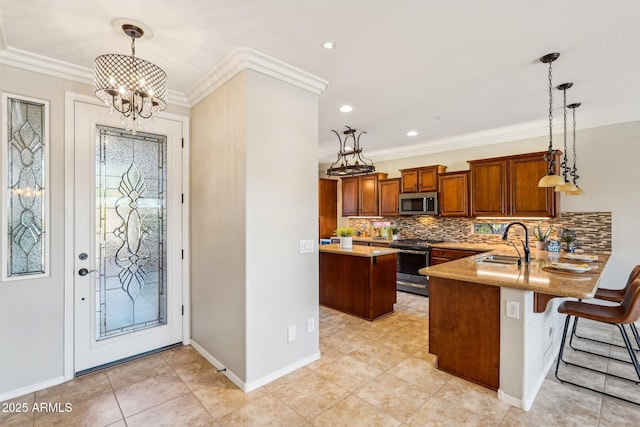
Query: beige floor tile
point(348, 372)
point(421, 373)
point(328, 353)
point(394, 396)
point(624, 389)
point(354, 412)
point(97, 410)
point(516, 417)
point(120, 423)
point(424, 354)
point(82, 387)
point(407, 342)
point(474, 398)
point(346, 340)
point(133, 372)
point(267, 411)
point(290, 377)
point(151, 392)
point(223, 397)
point(572, 402)
point(440, 412)
point(379, 355)
point(618, 413)
point(18, 411)
point(310, 395)
point(185, 410)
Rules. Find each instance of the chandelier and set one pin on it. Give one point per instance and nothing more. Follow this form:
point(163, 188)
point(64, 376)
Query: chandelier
point(350, 161)
point(132, 86)
point(550, 179)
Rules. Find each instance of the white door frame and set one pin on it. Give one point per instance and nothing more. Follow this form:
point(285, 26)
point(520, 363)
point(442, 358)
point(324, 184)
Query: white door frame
point(69, 135)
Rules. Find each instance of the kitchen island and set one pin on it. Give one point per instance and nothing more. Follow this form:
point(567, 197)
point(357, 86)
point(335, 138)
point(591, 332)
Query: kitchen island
point(360, 281)
point(497, 324)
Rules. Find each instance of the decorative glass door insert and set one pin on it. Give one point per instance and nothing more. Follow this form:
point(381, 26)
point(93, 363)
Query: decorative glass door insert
point(131, 182)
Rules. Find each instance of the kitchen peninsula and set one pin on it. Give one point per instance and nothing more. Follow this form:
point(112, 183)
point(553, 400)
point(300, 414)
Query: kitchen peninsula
point(360, 281)
point(497, 324)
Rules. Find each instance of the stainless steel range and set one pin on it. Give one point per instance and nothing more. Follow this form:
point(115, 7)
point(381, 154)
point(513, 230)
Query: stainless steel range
point(412, 256)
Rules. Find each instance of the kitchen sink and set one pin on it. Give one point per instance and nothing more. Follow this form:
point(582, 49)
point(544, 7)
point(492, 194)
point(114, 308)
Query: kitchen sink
point(499, 259)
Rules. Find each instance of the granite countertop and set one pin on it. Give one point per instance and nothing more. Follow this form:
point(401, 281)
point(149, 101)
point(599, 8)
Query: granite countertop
point(358, 250)
point(465, 246)
point(532, 277)
point(367, 239)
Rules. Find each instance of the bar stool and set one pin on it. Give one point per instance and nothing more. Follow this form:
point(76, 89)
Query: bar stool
point(624, 314)
point(612, 295)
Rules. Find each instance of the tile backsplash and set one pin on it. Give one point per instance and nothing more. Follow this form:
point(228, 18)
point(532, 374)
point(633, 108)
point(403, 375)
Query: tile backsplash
point(593, 229)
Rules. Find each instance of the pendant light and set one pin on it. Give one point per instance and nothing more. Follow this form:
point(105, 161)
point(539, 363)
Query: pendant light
point(350, 160)
point(567, 185)
point(551, 179)
point(574, 172)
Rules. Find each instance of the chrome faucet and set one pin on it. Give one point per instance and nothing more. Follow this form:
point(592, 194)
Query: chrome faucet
point(525, 242)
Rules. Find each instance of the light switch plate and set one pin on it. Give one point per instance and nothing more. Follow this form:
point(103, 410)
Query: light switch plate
point(306, 246)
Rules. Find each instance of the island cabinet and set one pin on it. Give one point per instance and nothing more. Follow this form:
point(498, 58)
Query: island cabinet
point(416, 180)
point(389, 190)
point(360, 281)
point(454, 194)
point(508, 186)
point(360, 195)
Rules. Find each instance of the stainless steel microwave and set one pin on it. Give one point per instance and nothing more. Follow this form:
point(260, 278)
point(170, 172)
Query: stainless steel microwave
point(419, 203)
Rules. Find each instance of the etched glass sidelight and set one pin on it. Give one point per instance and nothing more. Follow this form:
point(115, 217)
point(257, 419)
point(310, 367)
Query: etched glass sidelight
point(26, 182)
point(131, 232)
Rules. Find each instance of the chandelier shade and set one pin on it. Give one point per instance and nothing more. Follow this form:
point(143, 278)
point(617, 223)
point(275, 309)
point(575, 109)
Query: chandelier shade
point(350, 161)
point(132, 86)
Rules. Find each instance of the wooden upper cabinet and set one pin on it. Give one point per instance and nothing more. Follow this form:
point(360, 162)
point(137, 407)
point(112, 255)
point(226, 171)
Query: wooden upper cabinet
point(454, 194)
point(527, 199)
point(350, 195)
point(488, 187)
point(360, 195)
point(417, 180)
point(389, 189)
point(327, 206)
point(508, 186)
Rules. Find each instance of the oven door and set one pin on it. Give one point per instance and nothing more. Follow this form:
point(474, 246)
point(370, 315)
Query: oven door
point(409, 262)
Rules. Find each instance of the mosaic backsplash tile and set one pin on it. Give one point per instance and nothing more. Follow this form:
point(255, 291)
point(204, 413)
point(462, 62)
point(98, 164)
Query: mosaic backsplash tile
point(593, 229)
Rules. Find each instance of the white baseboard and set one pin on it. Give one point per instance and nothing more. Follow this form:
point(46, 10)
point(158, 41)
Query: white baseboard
point(31, 388)
point(526, 403)
point(247, 387)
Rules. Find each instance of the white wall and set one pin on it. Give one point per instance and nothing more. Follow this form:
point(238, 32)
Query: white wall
point(609, 169)
point(32, 310)
point(254, 196)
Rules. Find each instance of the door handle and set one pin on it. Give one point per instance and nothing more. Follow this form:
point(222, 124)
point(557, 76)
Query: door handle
point(84, 271)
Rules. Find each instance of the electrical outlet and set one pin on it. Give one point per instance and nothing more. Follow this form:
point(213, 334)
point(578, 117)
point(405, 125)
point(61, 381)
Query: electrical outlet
point(311, 325)
point(291, 333)
point(513, 309)
point(306, 246)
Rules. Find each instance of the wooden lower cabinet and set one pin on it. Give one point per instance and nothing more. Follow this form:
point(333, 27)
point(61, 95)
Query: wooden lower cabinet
point(362, 286)
point(440, 256)
point(464, 329)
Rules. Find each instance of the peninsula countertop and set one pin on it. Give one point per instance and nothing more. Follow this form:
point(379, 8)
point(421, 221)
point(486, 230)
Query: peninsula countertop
point(536, 276)
point(358, 250)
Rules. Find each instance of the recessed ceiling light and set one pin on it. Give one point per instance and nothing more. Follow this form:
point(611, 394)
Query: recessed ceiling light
point(328, 45)
point(412, 133)
point(346, 108)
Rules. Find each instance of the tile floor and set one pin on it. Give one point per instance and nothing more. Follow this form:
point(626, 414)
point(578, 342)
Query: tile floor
point(370, 374)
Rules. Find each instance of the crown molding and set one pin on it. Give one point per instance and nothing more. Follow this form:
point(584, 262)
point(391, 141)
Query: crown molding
point(501, 135)
point(247, 58)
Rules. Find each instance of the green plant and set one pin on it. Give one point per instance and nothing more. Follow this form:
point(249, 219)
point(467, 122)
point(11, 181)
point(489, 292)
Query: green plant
point(568, 238)
point(395, 230)
point(344, 231)
point(540, 235)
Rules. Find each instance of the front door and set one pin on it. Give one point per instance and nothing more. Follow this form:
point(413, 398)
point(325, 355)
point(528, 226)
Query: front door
point(127, 237)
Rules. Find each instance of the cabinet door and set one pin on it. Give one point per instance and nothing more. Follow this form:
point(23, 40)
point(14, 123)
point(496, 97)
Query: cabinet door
point(327, 206)
point(454, 194)
point(350, 196)
point(389, 191)
point(527, 199)
point(409, 181)
point(368, 195)
point(488, 188)
point(428, 179)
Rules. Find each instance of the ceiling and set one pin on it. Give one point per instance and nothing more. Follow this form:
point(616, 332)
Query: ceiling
point(457, 72)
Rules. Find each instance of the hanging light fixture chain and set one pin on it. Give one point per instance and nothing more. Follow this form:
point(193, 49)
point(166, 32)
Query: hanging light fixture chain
point(565, 160)
point(549, 156)
point(574, 171)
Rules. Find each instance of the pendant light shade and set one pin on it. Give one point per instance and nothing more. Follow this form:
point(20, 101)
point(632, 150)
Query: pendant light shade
point(350, 161)
point(566, 185)
point(551, 179)
point(574, 172)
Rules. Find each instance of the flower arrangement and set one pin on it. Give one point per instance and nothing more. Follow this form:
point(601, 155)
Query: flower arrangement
point(344, 231)
point(542, 236)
